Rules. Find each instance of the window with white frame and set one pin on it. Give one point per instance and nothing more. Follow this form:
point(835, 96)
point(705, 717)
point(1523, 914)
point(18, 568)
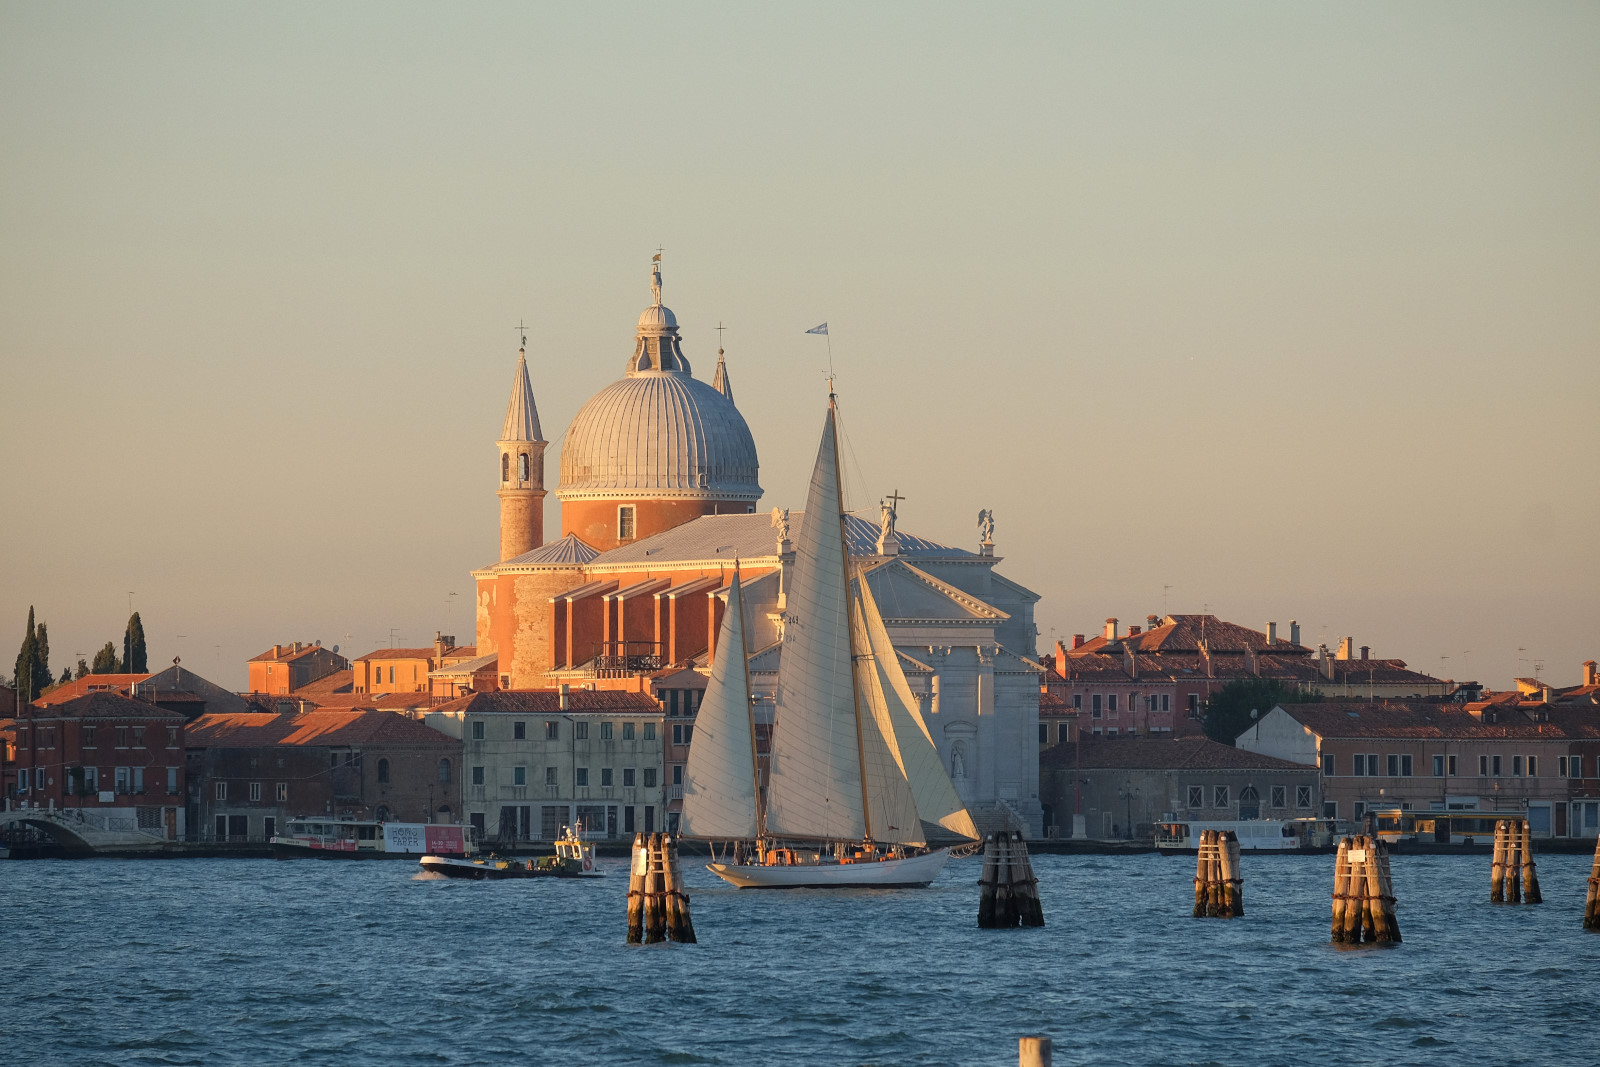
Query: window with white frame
point(1197, 796)
point(606, 731)
point(1327, 764)
point(220, 792)
point(519, 776)
point(1302, 796)
point(1219, 796)
point(550, 777)
point(1280, 796)
point(282, 791)
point(255, 790)
point(1438, 766)
point(627, 777)
point(583, 777)
point(1533, 766)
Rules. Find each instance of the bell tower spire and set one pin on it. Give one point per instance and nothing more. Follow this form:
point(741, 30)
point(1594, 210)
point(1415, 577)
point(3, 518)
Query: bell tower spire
point(522, 448)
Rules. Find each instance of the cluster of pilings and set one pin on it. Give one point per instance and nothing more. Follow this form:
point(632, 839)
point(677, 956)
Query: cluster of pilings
point(1591, 907)
point(1008, 893)
point(1513, 879)
point(1218, 889)
point(658, 908)
point(1363, 896)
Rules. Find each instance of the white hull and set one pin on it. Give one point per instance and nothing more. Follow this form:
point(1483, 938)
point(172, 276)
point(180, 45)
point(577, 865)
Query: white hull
point(885, 874)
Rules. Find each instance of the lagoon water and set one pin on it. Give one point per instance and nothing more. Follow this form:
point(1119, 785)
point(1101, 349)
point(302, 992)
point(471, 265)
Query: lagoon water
point(261, 962)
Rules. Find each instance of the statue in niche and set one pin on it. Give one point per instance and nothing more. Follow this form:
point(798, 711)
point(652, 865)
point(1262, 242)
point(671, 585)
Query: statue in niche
point(958, 760)
point(780, 522)
point(986, 527)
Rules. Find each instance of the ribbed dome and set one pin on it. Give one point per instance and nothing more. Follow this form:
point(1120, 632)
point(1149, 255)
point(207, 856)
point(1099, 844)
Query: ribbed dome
point(659, 434)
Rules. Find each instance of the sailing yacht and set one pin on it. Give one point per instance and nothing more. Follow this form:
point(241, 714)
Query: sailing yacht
point(854, 769)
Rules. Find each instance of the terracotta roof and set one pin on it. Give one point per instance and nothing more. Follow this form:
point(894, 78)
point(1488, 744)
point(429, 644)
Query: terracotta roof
point(311, 728)
point(1182, 633)
point(106, 705)
point(400, 653)
point(389, 701)
point(337, 682)
point(285, 653)
point(1185, 753)
point(87, 684)
point(1053, 705)
point(1396, 719)
point(546, 701)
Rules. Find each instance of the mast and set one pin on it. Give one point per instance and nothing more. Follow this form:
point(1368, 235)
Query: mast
point(850, 630)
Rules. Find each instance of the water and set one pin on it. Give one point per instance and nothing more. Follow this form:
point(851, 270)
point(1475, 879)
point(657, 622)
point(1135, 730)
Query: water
point(255, 961)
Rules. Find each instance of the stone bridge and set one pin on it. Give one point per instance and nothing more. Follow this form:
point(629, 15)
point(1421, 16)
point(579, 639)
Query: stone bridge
point(83, 832)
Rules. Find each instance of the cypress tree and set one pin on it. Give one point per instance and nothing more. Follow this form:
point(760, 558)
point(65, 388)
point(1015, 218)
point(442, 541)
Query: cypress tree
point(105, 661)
point(66, 676)
point(26, 657)
point(83, 669)
point(41, 663)
point(133, 652)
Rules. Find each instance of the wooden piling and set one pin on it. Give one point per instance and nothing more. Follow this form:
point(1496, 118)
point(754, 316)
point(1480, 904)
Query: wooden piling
point(1530, 873)
point(1232, 883)
point(1217, 892)
point(1591, 910)
point(636, 872)
point(680, 927)
point(1008, 892)
point(655, 913)
point(1033, 1052)
point(1497, 866)
point(1363, 895)
point(1341, 890)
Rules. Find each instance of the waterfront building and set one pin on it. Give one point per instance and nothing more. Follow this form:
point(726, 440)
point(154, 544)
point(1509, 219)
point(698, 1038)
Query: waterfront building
point(1156, 678)
point(117, 760)
point(1529, 758)
point(658, 487)
point(539, 760)
point(282, 669)
point(1123, 788)
point(408, 670)
point(250, 772)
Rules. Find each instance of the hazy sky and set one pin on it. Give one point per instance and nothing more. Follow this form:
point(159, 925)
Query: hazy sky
point(1291, 308)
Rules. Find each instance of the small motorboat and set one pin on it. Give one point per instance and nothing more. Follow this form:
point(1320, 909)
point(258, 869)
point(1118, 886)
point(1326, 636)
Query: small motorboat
point(573, 859)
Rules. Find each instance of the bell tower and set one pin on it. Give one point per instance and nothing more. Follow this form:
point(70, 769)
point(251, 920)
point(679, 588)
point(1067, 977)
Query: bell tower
point(521, 468)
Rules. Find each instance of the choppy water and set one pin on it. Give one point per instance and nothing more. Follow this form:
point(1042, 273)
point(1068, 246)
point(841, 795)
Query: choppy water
point(255, 961)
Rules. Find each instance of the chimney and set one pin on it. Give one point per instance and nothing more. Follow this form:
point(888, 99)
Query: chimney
point(1547, 695)
point(1133, 631)
point(1364, 650)
point(297, 646)
point(1152, 621)
point(1272, 633)
point(438, 645)
point(1327, 661)
point(277, 651)
point(1589, 673)
point(1294, 632)
point(566, 696)
point(1346, 647)
point(1077, 640)
point(1111, 629)
point(1061, 660)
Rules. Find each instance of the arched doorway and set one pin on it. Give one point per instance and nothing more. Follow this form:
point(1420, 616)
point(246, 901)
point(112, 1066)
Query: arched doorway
point(1249, 803)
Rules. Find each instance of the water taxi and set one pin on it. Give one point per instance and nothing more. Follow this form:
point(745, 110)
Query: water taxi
point(330, 838)
point(573, 859)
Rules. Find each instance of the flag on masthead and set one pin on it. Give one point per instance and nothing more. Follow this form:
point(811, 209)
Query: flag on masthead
point(823, 329)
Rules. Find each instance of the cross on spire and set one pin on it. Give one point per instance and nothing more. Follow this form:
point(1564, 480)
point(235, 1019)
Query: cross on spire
point(894, 499)
point(522, 331)
point(720, 328)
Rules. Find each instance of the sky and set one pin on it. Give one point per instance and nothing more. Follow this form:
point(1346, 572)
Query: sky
point(1273, 311)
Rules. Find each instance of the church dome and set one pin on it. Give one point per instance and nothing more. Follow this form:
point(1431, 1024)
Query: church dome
point(659, 432)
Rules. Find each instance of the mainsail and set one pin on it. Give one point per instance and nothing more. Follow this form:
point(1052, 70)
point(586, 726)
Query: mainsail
point(895, 709)
point(814, 785)
point(719, 789)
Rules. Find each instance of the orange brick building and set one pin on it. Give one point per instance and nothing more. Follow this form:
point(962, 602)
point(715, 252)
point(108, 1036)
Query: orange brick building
point(284, 668)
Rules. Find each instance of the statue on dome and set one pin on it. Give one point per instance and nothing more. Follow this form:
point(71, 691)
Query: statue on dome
point(655, 277)
point(986, 527)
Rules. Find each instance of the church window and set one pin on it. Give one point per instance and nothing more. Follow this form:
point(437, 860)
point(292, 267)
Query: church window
point(505, 476)
point(625, 525)
point(444, 772)
point(522, 466)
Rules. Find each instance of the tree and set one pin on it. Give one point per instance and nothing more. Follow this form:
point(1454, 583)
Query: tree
point(133, 652)
point(66, 675)
point(83, 669)
point(105, 661)
point(1227, 713)
point(33, 661)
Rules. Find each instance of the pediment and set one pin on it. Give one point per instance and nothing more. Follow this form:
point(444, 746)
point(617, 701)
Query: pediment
point(909, 594)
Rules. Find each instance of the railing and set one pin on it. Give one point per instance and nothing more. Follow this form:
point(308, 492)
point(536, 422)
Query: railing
point(674, 792)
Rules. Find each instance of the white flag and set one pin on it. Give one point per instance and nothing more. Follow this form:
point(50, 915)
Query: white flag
point(823, 329)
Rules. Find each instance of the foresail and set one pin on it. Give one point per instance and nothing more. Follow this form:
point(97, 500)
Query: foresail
point(895, 819)
point(919, 760)
point(814, 786)
point(719, 787)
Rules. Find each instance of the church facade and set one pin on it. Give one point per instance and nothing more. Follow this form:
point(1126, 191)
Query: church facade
point(658, 492)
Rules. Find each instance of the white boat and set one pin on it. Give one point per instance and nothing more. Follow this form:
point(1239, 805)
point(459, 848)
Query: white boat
point(325, 837)
point(1255, 835)
point(854, 770)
